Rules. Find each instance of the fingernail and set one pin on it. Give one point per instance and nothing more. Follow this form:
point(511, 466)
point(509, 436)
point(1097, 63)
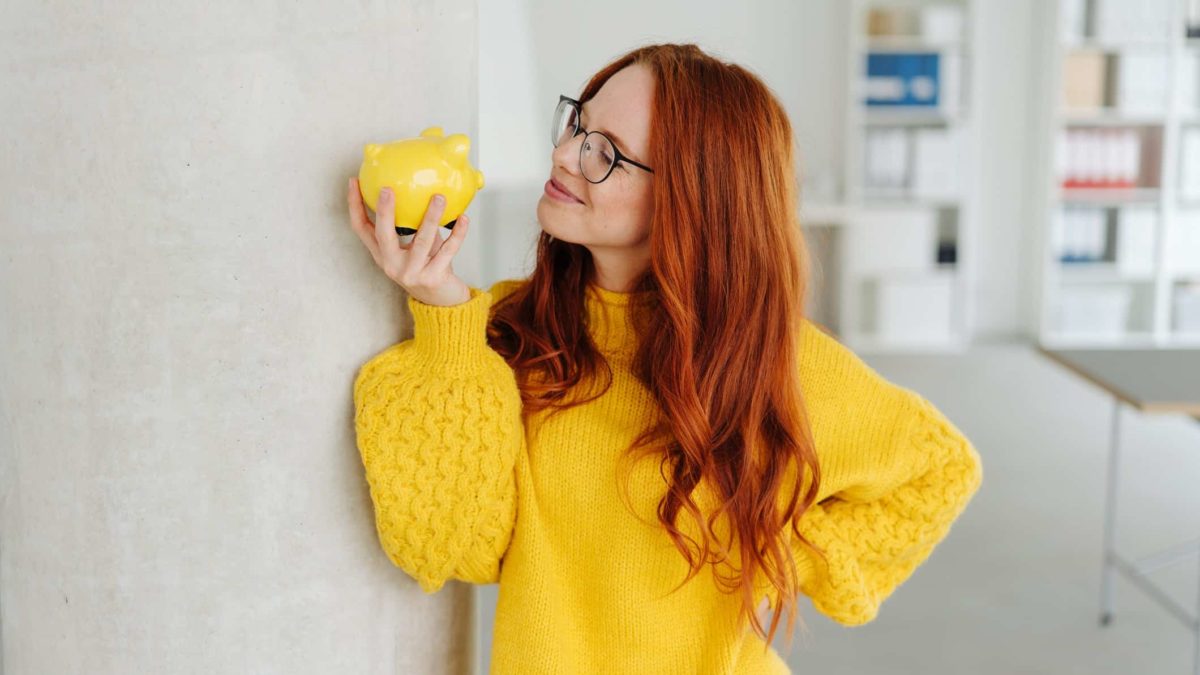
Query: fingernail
point(385, 193)
point(439, 200)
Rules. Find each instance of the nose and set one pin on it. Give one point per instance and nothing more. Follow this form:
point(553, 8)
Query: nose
point(566, 155)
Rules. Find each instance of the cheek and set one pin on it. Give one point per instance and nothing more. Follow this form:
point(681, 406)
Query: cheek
point(639, 207)
point(619, 217)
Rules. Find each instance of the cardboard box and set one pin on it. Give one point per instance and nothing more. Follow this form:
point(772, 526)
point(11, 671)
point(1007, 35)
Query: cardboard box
point(1083, 76)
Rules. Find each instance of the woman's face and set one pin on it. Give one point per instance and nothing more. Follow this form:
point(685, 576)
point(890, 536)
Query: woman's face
point(613, 220)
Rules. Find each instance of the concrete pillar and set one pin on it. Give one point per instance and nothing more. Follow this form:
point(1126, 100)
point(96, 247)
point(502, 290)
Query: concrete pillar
point(183, 308)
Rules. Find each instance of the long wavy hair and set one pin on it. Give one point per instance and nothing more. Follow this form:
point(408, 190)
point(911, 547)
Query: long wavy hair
point(727, 283)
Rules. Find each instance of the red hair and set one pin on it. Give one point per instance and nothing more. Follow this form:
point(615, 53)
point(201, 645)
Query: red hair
point(727, 283)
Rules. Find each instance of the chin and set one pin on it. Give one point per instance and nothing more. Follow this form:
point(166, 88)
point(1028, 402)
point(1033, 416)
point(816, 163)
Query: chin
point(546, 219)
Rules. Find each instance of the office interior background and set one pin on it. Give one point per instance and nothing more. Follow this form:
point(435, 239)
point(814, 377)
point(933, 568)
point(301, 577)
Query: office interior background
point(988, 187)
point(978, 179)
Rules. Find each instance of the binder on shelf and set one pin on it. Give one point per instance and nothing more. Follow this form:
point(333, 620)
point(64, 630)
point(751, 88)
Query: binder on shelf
point(1081, 234)
point(887, 159)
point(1099, 158)
point(1142, 82)
point(936, 163)
point(1186, 309)
point(1183, 255)
point(1074, 20)
point(1144, 20)
point(1189, 164)
point(1136, 228)
point(902, 79)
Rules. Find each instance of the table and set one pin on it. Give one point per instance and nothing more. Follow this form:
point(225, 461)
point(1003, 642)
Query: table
point(1149, 380)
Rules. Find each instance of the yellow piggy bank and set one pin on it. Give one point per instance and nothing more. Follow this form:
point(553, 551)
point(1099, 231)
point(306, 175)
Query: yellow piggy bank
point(416, 169)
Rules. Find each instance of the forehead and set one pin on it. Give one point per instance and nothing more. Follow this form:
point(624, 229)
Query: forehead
point(622, 106)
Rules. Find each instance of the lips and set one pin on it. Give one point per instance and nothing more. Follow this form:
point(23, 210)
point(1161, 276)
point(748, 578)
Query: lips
point(560, 187)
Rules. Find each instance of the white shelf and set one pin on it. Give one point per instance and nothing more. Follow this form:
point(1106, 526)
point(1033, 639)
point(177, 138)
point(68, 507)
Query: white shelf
point(1148, 296)
point(904, 116)
point(1109, 196)
point(1092, 44)
point(907, 43)
point(1131, 339)
point(901, 200)
point(1110, 117)
point(1098, 273)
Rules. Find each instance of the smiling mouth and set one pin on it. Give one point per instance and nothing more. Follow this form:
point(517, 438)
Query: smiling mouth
point(556, 190)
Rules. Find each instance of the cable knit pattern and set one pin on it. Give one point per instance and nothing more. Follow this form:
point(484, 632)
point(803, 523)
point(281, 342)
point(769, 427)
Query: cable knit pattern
point(463, 490)
point(438, 422)
point(874, 544)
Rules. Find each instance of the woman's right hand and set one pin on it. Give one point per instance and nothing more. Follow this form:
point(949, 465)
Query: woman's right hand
point(422, 267)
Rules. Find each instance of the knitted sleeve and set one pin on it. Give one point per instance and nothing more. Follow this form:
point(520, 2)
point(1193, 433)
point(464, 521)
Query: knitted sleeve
point(439, 428)
point(899, 488)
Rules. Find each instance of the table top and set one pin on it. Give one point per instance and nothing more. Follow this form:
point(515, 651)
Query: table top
point(1149, 379)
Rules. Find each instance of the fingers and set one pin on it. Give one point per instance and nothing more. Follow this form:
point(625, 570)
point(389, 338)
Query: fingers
point(358, 219)
point(385, 231)
point(450, 246)
point(427, 233)
point(384, 243)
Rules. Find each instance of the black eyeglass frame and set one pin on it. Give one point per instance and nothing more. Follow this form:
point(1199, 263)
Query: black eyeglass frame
point(617, 155)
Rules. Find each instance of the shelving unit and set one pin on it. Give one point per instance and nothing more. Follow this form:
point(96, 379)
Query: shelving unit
point(910, 177)
point(1120, 247)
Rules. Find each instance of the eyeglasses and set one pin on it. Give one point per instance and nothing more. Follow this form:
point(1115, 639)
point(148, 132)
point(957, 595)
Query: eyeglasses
point(598, 154)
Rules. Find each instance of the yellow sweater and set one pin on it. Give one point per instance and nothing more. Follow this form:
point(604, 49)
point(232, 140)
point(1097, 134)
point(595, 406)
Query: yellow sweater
point(462, 489)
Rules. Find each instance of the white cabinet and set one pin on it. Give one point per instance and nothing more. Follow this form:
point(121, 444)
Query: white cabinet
point(910, 176)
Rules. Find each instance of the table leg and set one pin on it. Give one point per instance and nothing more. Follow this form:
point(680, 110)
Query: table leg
point(1196, 617)
point(1109, 571)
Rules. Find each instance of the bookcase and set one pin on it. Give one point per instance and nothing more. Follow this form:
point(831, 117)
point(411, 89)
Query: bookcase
point(909, 219)
point(1117, 180)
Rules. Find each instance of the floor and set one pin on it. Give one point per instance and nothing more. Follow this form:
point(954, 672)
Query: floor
point(1014, 588)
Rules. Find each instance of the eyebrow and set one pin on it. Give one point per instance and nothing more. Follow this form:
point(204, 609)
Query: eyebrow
point(620, 143)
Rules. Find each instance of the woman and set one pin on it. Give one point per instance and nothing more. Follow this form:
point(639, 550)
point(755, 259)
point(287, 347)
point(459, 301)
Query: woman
point(646, 438)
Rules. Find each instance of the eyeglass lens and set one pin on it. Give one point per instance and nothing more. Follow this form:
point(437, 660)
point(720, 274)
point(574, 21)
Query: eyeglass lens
point(597, 154)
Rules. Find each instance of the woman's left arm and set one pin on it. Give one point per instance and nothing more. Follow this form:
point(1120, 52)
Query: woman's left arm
point(876, 531)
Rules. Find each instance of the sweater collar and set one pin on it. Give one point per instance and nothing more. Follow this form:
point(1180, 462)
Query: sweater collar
point(609, 320)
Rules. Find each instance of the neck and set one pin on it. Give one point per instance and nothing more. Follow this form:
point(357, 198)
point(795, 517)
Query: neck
point(617, 269)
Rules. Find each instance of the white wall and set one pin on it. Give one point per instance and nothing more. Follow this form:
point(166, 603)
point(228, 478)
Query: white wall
point(799, 50)
point(182, 310)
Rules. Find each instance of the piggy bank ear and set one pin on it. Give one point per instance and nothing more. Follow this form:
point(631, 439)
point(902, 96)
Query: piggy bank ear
point(431, 132)
point(372, 151)
point(455, 148)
